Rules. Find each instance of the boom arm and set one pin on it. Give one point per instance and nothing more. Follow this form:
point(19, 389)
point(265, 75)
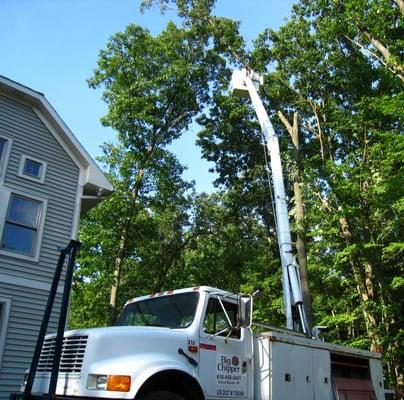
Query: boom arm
point(246, 81)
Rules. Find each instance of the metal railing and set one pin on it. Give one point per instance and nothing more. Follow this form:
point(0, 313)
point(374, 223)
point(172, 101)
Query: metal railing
point(69, 253)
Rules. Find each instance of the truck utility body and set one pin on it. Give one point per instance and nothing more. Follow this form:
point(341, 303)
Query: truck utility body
point(189, 344)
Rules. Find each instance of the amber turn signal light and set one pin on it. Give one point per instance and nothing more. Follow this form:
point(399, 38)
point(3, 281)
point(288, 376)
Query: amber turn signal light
point(193, 349)
point(118, 383)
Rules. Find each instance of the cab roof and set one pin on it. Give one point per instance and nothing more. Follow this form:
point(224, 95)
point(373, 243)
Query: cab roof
point(198, 289)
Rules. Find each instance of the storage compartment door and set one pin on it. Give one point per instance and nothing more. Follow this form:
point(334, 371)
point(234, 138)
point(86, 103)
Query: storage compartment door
point(303, 372)
point(322, 374)
point(282, 379)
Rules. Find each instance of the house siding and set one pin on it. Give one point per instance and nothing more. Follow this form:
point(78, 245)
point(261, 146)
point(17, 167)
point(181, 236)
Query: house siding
point(23, 326)
point(32, 138)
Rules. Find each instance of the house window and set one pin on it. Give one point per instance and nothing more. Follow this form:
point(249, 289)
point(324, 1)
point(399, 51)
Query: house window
point(4, 152)
point(22, 225)
point(1, 317)
point(33, 169)
point(4, 315)
point(3, 144)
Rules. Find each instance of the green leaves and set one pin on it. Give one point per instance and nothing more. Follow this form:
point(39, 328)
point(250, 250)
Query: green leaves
point(397, 282)
point(153, 85)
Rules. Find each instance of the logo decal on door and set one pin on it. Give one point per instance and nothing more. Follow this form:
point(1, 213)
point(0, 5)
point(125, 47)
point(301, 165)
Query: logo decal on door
point(230, 380)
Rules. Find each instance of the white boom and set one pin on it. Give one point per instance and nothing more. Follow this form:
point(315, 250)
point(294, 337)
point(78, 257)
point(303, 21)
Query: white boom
point(246, 82)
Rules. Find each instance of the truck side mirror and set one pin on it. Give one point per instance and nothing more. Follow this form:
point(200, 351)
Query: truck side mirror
point(257, 292)
point(245, 311)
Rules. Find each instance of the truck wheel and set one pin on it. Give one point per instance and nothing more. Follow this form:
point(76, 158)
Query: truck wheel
point(163, 395)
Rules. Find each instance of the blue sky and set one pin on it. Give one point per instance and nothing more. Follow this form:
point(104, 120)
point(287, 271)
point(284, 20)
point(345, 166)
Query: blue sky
point(52, 46)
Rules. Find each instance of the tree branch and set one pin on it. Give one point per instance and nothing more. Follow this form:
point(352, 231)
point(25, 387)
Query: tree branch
point(285, 121)
point(386, 60)
point(320, 131)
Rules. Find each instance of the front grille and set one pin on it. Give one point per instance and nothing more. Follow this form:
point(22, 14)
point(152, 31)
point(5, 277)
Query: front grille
point(72, 357)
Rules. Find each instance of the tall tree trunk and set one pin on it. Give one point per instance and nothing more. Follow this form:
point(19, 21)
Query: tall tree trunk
point(119, 259)
point(301, 239)
point(120, 254)
point(363, 279)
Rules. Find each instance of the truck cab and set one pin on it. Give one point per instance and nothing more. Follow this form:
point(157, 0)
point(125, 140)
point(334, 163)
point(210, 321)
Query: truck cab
point(182, 344)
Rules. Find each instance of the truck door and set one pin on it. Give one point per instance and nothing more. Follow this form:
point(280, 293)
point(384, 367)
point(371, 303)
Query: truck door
point(225, 367)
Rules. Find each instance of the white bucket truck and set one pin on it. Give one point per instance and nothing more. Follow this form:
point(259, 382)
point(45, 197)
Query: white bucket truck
point(197, 343)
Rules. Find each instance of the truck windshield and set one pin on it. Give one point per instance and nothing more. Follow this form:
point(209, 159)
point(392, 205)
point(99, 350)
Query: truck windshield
point(173, 311)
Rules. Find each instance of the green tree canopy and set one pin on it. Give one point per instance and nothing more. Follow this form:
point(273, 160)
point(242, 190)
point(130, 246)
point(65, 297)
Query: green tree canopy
point(335, 69)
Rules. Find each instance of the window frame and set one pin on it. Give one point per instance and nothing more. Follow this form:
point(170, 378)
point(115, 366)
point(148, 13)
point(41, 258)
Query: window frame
point(237, 335)
point(5, 197)
point(5, 307)
point(147, 303)
point(21, 174)
point(4, 157)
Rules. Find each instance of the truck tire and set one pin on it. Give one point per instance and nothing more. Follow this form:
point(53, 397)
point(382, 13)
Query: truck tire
point(163, 395)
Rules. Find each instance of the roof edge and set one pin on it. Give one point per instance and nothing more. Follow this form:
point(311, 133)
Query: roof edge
point(93, 173)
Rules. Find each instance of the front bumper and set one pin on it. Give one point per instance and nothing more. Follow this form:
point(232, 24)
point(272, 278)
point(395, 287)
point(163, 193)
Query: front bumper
point(45, 396)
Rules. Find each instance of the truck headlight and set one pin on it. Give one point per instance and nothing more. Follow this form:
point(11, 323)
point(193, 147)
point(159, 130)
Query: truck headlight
point(97, 382)
point(113, 383)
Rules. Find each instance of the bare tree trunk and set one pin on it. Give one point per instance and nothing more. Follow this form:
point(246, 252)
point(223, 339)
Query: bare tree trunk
point(385, 52)
point(120, 255)
point(387, 57)
point(119, 259)
point(299, 212)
